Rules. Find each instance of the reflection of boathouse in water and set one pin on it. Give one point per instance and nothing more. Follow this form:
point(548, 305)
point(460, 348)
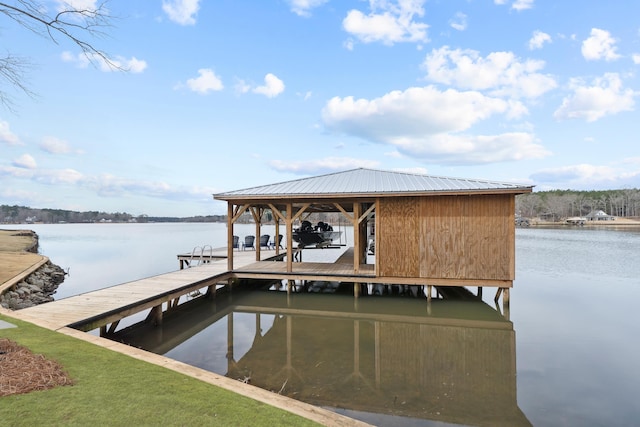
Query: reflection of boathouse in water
point(432, 231)
point(455, 365)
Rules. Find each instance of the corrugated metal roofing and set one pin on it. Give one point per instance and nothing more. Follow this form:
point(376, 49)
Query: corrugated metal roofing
point(371, 182)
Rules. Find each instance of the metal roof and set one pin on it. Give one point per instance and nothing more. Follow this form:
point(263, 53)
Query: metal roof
point(370, 182)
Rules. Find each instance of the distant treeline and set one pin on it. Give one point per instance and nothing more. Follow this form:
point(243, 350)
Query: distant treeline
point(22, 214)
point(559, 204)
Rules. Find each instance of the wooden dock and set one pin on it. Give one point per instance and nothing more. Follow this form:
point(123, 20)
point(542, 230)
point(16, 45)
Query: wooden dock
point(105, 308)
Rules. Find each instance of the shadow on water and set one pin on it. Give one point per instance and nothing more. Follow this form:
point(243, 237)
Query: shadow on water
point(385, 360)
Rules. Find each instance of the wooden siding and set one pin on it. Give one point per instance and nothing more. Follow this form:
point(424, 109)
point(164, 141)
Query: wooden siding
point(397, 246)
point(447, 237)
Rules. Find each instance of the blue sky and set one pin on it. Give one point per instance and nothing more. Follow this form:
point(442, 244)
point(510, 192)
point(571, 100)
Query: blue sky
point(224, 94)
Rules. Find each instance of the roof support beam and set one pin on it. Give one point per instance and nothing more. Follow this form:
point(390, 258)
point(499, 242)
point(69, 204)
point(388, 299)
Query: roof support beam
point(239, 210)
point(289, 225)
point(257, 212)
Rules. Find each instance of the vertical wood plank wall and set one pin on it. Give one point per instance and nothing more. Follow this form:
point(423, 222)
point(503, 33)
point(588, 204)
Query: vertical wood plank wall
point(398, 249)
point(454, 237)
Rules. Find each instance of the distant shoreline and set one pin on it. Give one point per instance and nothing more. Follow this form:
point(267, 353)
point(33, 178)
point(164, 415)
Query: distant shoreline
point(617, 223)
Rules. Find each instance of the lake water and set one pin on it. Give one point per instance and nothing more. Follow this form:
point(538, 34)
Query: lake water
point(567, 355)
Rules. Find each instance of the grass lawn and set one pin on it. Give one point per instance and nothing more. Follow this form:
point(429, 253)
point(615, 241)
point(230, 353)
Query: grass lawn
point(112, 389)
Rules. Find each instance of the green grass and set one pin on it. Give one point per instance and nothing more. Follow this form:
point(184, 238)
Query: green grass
point(112, 389)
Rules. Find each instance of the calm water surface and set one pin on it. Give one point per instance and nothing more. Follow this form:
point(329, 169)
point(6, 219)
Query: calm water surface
point(568, 355)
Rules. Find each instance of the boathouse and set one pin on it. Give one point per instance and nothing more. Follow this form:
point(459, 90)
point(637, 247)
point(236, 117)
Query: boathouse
point(429, 230)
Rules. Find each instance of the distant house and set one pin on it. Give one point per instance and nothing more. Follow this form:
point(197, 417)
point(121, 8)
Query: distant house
point(600, 215)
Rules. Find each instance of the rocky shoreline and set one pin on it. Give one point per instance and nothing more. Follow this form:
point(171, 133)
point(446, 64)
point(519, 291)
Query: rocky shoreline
point(37, 288)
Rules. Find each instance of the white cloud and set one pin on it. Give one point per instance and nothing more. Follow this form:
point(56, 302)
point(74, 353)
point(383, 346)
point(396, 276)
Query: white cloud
point(181, 12)
point(458, 149)
point(241, 86)
point(500, 72)
point(517, 4)
point(16, 172)
point(603, 96)
point(349, 44)
point(417, 110)
point(306, 95)
point(325, 165)
point(59, 176)
point(63, 5)
point(416, 170)
point(588, 176)
point(600, 45)
point(636, 58)
point(108, 185)
point(104, 184)
point(54, 145)
point(25, 168)
point(522, 4)
point(206, 82)
point(272, 87)
point(388, 22)
point(7, 136)
point(303, 7)
point(538, 39)
point(134, 65)
point(21, 197)
point(83, 60)
point(428, 124)
point(26, 161)
point(459, 22)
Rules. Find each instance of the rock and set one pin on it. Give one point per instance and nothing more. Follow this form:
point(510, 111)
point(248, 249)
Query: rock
point(38, 288)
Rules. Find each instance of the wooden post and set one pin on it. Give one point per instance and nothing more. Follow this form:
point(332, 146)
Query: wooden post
point(257, 217)
point(479, 292)
point(505, 301)
point(289, 224)
point(357, 243)
point(155, 315)
point(356, 289)
point(429, 287)
point(230, 236)
point(211, 291)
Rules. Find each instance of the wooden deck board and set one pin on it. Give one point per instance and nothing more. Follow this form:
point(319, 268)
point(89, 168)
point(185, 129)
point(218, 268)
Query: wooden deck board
point(89, 305)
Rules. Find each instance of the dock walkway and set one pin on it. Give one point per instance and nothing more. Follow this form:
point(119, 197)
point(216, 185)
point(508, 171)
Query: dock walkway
point(107, 306)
